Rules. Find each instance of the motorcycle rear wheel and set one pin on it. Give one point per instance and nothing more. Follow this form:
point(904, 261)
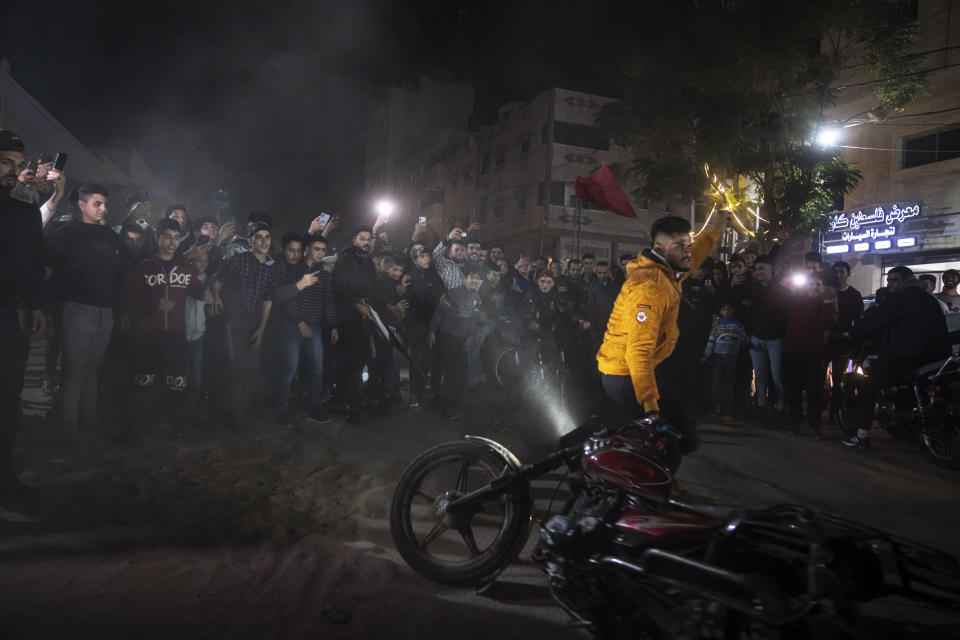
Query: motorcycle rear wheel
point(941, 444)
point(467, 551)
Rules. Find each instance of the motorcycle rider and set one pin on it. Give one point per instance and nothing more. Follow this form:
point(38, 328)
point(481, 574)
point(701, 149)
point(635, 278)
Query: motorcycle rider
point(910, 331)
point(642, 329)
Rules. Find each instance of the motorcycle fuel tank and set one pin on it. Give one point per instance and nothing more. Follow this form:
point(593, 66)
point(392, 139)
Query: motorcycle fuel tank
point(679, 526)
point(631, 471)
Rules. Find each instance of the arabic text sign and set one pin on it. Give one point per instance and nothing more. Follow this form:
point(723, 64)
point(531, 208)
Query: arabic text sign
point(879, 223)
point(883, 215)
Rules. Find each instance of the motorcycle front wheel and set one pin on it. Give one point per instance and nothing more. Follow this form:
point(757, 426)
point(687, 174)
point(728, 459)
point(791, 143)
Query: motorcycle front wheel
point(457, 549)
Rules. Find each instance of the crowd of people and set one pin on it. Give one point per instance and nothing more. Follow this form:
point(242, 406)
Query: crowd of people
point(164, 318)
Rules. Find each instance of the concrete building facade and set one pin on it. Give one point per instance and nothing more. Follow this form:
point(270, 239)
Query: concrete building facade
point(906, 209)
point(514, 179)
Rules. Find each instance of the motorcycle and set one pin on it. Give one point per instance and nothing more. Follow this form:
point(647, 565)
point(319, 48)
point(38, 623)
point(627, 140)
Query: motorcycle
point(625, 558)
point(924, 407)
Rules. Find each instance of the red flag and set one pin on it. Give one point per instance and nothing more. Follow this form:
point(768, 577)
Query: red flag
point(604, 189)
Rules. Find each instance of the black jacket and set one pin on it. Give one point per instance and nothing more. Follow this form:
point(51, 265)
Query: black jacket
point(353, 278)
point(424, 292)
point(767, 317)
point(89, 264)
point(908, 327)
point(21, 268)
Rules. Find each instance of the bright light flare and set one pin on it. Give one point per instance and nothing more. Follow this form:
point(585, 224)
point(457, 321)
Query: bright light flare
point(799, 280)
point(829, 137)
point(384, 207)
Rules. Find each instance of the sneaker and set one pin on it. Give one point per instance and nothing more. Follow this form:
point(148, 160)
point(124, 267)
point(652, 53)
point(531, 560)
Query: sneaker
point(285, 419)
point(319, 416)
point(857, 441)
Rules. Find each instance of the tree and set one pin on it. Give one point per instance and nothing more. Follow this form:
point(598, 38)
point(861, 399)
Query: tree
point(745, 86)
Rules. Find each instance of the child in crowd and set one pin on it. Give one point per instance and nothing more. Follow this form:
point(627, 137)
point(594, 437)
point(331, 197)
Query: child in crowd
point(723, 345)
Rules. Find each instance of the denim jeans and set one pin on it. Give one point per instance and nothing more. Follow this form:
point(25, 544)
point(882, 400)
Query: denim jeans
point(724, 381)
point(292, 344)
point(86, 332)
point(767, 361)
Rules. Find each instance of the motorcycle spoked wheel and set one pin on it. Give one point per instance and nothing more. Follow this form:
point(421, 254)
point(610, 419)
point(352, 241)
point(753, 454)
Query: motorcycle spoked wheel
point(467, 551)
point(941, 441)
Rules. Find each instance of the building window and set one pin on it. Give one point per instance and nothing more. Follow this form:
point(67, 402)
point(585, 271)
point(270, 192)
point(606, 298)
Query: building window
point(485, 162)
point(482, 209)
point(525, 145)
point(501, 159)
point(521, 200)
point(557, 193)
point(497, 210)
point(453, 181)
point(541, 191)
point(545, 133)
point(930, 148)
point(579, 135)
point(467, 177)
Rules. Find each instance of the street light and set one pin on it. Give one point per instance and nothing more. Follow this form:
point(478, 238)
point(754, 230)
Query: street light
point(829, 137)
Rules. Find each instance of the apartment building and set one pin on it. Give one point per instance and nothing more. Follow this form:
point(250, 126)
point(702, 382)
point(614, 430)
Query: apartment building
point(515, 178)
point(906, 209)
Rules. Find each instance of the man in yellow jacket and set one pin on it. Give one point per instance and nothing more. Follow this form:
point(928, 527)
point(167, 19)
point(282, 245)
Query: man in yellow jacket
point(642, 330)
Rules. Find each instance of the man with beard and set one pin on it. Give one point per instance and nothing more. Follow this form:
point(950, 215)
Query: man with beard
point(449, 258)
point(353, 278)
point(21, 278)
point(642, 329)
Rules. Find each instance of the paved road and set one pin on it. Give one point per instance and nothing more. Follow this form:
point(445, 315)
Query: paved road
point(893, 488)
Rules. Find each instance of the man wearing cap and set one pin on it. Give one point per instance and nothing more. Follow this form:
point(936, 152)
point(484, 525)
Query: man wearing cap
point(21, 279)
point(424, 292)
point(243, 289)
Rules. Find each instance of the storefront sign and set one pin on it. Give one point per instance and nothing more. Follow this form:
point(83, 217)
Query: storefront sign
point(880, 228)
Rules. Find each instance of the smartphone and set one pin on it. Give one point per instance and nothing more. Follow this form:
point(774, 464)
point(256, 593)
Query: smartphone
point(324, 218)
point(463, 235)
point(423, 220)
point(708, 283)
point(60, 161)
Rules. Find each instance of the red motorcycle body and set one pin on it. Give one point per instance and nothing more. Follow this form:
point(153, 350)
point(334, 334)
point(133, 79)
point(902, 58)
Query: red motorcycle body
point(628, 468)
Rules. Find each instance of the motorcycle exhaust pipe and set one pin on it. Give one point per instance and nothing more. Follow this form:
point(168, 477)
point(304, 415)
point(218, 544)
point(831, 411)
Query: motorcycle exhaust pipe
point(737, 591)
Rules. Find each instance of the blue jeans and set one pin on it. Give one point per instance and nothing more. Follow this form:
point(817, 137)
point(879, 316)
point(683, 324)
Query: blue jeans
point(767, 356)
point(292, 345)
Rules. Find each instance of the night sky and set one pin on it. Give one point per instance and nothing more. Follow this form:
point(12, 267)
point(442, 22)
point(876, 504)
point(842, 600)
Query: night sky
point(269, 100)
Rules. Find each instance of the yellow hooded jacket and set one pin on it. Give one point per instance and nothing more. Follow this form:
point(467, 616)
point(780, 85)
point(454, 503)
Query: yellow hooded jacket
point(642, 329)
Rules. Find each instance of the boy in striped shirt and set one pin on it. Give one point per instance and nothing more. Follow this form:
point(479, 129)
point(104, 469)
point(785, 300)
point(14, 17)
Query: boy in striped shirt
point(723, 345)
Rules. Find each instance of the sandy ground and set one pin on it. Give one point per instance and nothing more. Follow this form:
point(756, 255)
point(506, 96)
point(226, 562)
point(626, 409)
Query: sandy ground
point(200, 530)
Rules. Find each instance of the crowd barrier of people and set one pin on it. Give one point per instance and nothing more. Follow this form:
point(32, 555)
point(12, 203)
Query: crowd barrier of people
point(169, 318)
